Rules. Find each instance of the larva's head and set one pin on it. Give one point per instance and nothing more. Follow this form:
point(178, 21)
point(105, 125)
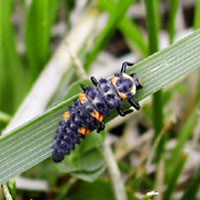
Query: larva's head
point(126, 85)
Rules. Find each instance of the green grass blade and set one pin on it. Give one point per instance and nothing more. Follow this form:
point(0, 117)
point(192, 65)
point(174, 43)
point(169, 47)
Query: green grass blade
point(134, 35)
point(39, 21)
point(180, 162)
point(196, 26)
point(120, 9)
point(174, 4)
point(12, 74)
point(153, 34)
point(129, 29)
point(184, 135)
point(31, 143)
point(152, 25)
point(197, 15)
point(192, 190)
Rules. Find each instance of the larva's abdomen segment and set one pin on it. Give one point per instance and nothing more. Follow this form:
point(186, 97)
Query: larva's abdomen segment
point(66, 139)
point(109, 93)
point(97, 100)
point(84, 112)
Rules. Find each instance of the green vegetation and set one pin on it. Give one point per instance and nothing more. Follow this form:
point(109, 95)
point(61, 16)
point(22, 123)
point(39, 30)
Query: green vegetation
point(47, 48)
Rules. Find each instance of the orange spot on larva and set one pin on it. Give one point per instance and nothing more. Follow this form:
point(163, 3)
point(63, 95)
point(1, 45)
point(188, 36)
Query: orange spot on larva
point(84, 131)
point(95, 114)
point(83, 98)
point(101, 118)
point(88, 131)
point(122, 95)
point(66, 115)
point(114, 80)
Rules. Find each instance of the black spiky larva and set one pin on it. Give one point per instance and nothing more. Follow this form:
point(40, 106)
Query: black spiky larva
point(94, 104)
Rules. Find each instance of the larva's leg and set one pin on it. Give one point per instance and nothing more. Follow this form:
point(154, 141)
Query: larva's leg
point(134, 104)
point(137, 81)
point(83, 87)
point(123, 113)
point(101, 127)
point(94, 80)
point(124, 65)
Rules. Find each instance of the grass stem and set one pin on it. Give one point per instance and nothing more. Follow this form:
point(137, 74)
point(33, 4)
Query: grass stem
point(114, 172)
point(192, 190)
point(174, 5)
point(6, 192)
point(197, 15)
point(176, 172)
point(153, 35)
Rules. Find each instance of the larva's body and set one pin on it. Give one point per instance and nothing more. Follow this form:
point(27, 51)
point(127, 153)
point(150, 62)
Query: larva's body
point(88, 112)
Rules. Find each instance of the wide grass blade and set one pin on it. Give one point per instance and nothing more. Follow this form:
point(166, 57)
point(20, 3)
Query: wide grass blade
point(31, 143)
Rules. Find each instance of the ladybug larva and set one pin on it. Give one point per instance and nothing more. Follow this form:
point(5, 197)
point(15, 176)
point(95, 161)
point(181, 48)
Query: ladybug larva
point(90, 109)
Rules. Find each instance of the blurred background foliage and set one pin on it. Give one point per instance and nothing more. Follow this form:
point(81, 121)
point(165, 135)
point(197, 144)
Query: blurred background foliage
point(156, 148)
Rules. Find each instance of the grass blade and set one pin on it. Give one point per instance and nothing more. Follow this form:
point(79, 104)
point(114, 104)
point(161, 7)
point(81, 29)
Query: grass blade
point(153, 34)
point(152, 25)
point(12, 73)
point(174, 176)
point(39, 21)
point(134, 35)
point(117, 183)
point(192, 190)
point(120, 10)
point(196, 26)
point(197, 15)
point(130, 30)
point(174, 4)
point(31, 143)
point(184, 135)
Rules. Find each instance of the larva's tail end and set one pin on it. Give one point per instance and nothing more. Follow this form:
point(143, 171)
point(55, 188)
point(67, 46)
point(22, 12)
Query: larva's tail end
point(57, 156)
